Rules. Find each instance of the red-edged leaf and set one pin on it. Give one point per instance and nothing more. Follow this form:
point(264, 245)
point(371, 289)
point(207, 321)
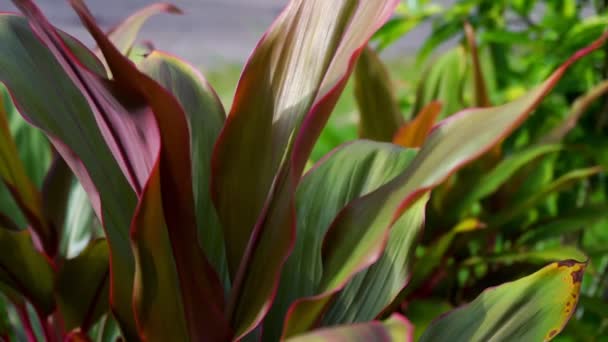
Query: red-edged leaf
point(123, 36)
point(358, 235)
point(380, 115)
point(199, 291)
point(125, 121)
point(287, 91)
point(206, 118)
point(413, 133)
point(394, 329)
point(54, 104)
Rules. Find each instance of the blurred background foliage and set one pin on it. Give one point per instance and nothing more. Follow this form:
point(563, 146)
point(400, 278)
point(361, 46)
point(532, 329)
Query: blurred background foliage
point(540, 197)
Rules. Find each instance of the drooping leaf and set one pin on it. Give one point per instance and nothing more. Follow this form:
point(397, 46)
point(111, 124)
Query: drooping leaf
point(123, 36)
point(287, 91)
point(542, 256)
point(351, 171)
point(82, 287)
point(199, 294)
point(579, 107)
point(567, 222)
point(56, 105)
point(379, 113)
point(206, 117)
point(394, 329)
point(492, 180)
point(413, 133)
point(449, 147)
point(14, 176)
point(26, 271)
point(534, 308)
point(519, 208)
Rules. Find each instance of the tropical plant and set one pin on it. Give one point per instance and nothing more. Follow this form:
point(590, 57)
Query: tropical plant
point(212, 231)
point(540, 194)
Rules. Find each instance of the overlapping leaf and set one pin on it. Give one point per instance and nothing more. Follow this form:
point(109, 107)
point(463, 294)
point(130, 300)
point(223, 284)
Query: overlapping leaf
point(351, 171)
point(380, 115)
point(26, 271)
point(82, 287)
point(413, 133)
point(56, 105)
point(206, 117)
point(447, 149)
point(287, 90)
point(534, 308)
point(394, 329)
point(172, 230)
point(13, 174)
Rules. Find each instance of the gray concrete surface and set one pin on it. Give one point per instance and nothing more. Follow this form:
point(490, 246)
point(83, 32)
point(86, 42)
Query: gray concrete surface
point(210, 33)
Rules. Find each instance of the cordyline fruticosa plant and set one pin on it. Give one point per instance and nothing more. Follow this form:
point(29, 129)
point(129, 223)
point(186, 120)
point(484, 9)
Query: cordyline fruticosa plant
point(213, 233)
point(540, 194)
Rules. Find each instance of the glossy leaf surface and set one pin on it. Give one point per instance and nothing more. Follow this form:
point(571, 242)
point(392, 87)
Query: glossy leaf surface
point(286, 93)
point(448, 148)
point(394, 329)
point(534, 308)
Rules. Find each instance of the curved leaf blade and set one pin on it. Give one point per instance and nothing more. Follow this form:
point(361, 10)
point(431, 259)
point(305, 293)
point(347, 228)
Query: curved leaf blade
point(413, 133)
point(26, 271)
point(27, 197)
point(379, 114)
point(206, 116)
point(286, 93)
point(169, 187)
point(349, 172)
point(447, 149)
point(54, 104)
point(394, 329)
point(534, 308)
point(83, 287)
point(123, 36)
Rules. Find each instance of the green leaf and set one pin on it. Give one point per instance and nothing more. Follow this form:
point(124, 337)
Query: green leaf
point(423, 312)
point(519, 208)
point(351, 171)
point(55, 104)
point(356, 237)
point(394, 329)
point(364, 297)
point(380, 115)
point(491, 181)
point(434, 256)
point(287, 91)
point(542, 256)
point(442, 80)
point(534, 308)
point(27, 197)
point(82, 287)
point(123, 36)
point(206, 117)
point(80, 224)
point(567, 222)
point(165, 217)
point(26, 271)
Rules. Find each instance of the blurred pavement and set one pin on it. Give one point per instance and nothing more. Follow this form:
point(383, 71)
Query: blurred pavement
point(210, 33)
